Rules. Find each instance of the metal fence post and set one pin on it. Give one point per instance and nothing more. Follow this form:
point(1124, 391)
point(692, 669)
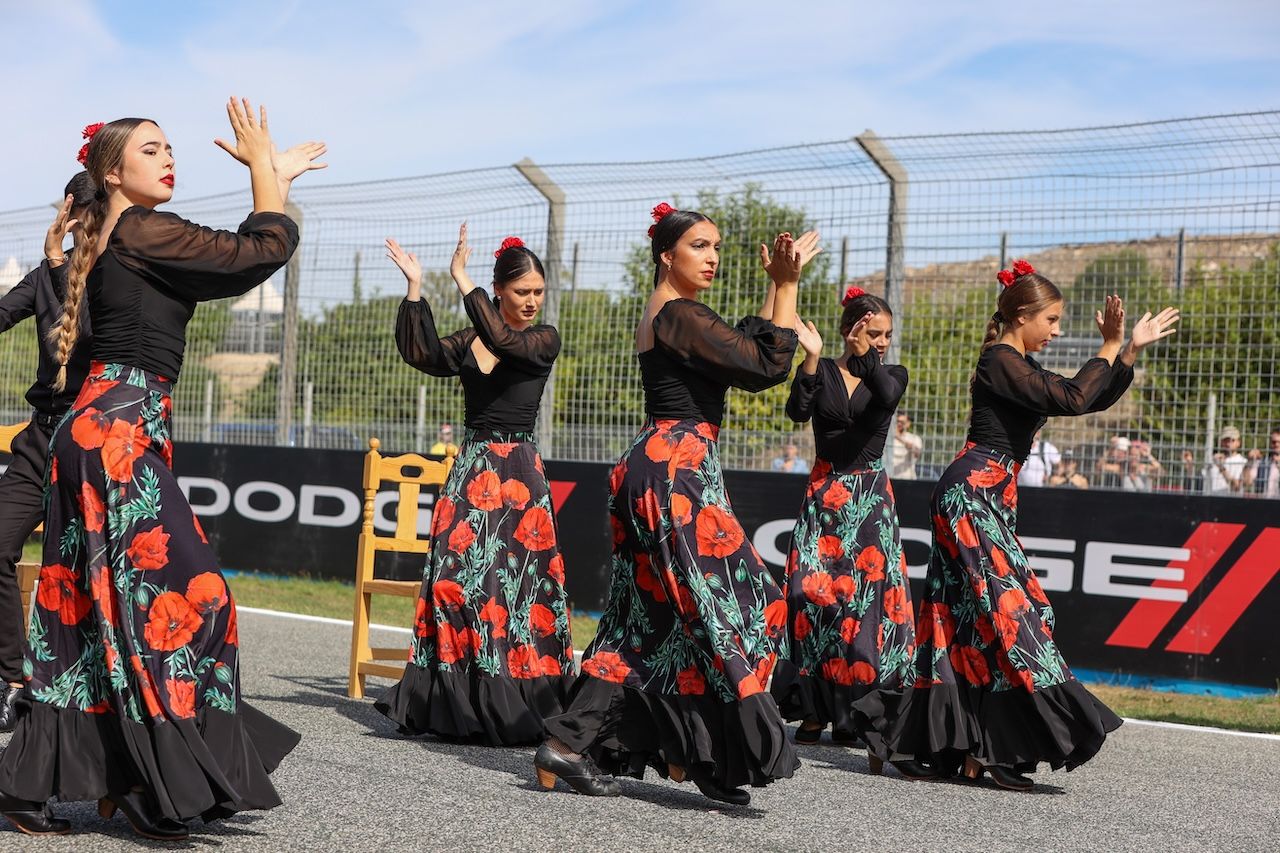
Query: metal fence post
point(1179, 272)
point(895, 271)
point(553, 264)
point(289, 340)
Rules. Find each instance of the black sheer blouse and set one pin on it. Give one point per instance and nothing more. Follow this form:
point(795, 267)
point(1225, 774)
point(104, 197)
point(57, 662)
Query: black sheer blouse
point(506, 399)
point(157, 266)
point(697, 357)
point(1013, 396)
point(849, 430)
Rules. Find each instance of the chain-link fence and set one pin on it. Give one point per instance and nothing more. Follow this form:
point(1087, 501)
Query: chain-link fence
point(1178, 212)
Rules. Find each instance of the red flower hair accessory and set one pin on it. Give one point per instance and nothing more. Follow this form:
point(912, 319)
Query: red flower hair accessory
point(660, 212)
point(1020, 268)
point(852, 293)
point(509, 243)
point(90, 130)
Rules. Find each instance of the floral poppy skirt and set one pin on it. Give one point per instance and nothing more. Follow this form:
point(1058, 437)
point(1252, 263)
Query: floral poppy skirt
point(692, 628)
point(991, 681)
point(492, 654)
point(851, 626)
point(132, 662)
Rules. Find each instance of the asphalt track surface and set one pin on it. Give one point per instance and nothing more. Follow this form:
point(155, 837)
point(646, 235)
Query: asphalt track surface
point(353, 784)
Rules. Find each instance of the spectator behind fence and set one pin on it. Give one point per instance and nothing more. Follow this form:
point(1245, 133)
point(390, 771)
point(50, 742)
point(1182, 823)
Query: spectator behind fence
point(1141, 468)
point(1040, 463)
point(791, 461)
point(1262, 478)
point(907, 448)
point(444, 442)
point(1066, 474)
point(1192, 473)
point(1224, 475)
point(1112, 464)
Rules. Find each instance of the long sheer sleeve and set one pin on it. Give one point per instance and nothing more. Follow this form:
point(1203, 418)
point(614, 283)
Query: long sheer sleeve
point(533, 349)
point(422, 347)
point(1121, 379)
point(887, 383)
point(804, 395)
point(753, 356)
point(201, 263)
point(20, 302)
point(1013, 377)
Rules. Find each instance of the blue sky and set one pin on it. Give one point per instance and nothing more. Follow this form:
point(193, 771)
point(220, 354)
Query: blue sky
point(402, 89)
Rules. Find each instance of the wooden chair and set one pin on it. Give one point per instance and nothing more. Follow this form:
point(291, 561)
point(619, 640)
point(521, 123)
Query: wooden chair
point(411, 472)
point(28, 573)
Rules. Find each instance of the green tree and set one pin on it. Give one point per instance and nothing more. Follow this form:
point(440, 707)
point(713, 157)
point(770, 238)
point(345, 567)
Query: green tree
point(205, 334)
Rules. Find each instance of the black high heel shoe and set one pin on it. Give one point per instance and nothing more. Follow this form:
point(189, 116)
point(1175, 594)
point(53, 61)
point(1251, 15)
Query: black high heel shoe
point(808, 736)
point(137, 809)
point(908, 767)
point(31, 817)
point(1004, 777)
point(844, 737)
point(580, 774)
point(713, 790)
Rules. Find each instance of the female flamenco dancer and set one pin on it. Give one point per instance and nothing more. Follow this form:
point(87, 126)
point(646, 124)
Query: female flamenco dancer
point(132, 693)
point(39, 294)
point(993, 692)
point(852, 630)
point(674, 677)
point(492, 653)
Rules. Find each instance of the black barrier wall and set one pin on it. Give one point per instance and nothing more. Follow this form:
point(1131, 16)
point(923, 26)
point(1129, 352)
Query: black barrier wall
point(1157, 584)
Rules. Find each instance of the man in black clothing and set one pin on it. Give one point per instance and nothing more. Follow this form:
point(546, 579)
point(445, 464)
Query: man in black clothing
point(39, 294)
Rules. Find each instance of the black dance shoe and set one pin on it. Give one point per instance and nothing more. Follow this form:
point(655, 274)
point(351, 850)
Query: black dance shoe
point(143, 816)
point(908, 767)
point(844, 737)
point(713, 790)
point(809, 736)
point(8, 707)
point(1004, 777)
point(32, 818)
point(580, 774)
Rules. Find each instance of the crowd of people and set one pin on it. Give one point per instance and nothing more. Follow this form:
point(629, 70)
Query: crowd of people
point(126, 689)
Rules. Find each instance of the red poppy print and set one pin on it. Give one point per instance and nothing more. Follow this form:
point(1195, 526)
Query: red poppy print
point(1013, 601)
point(689, 682)
point(90, 429)
point(749, 686)
point(681, 509)
point(535, 531)
point(836, 496)
point(819, 588)
point(1035, 590)
point(896, 606)
point(171, 622)
point(93, 388)
point(719, 533)
point(125, 444)
point(685, 605)
point(182, 697)
point(845, 587)
point(462, 537)
point(830, 548)
point(803, 626)
point(450, 648)
point(871, 560)
point(101, 590)
point(1000, 562)
point(708, 431)
point(485, 491)
point(522, 662)
point(616, 477)
point(233, 631)
point(1008, 628)
point(542, 619)
point(944, 537)
point(775, 618)
point(501, 448)
point(1017, 677)
point(207, 592)
point(607, 666)
point(648, 511)
point(686, 456)
point(942, 625)
point(149, 549)
point(849, 629)
point(986, 631)
point(619, 532)
point(441, 516)
point(1010, 496)
point(965, 534)
point(987, 477)
point(195, 522)
point(59, 591)
point(448, 595)
point(969, 664)
point(91, 507)
point(764, 668)
point(515, 494)
point(555, 569)
point(422, 625)
point(148, 689)
point(660, 446)
point(647, 579)
point(838, 671)
point(496, 615)
point(863, 672)
point(550, 666)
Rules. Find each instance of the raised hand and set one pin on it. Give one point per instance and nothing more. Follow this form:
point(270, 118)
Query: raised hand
point(789, 256)
point(857, 337)
point(57, 234)
point(1110, 320)
point(1150, 329)
point(252, 137)
point(458, 265)
point(408, 264)
point(302, 157)
point(809, 338)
